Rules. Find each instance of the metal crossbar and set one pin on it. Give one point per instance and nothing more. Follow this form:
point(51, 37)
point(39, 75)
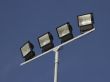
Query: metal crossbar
point(59, 46)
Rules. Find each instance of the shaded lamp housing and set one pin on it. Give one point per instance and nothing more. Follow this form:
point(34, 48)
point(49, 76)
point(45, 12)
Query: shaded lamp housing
point(65, 32)
point(46, 41)
point(85, 22)
point(27, 51)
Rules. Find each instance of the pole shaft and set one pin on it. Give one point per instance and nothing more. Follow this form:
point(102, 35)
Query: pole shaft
point(56, 66)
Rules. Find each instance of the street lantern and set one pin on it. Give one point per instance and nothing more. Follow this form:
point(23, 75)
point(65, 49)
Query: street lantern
point(65, 32)
point(46, 41)
point(85, 22)
point(27, 51)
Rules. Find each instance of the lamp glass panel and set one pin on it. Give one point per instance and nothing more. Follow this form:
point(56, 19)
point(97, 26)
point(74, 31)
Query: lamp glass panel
point(63, 30)
point(25, 49)
point(44, 40)
point(85, 19)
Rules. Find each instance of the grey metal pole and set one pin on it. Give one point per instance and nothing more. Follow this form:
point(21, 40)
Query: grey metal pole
point(56, 50)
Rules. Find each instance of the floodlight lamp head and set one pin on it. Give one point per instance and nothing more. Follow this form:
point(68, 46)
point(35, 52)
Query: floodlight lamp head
point(27, 50)
point(46, 41)
point(85, 22)
point(65, 32)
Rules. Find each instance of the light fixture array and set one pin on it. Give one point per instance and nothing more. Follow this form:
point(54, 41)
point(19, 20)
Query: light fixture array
point(85, 23)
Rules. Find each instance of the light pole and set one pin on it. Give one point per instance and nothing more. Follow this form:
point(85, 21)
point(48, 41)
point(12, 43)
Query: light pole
point(66, 36)
point(56, 50)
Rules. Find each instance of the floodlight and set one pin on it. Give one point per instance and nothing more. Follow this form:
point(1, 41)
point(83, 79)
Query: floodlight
point(65, 32)
point(46, 41)
point(27, 50)
point(85, 22)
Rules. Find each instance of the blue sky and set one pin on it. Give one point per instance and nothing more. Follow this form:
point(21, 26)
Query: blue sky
point(85, 60)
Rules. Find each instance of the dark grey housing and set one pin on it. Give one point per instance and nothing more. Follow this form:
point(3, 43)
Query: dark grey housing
point(48, 46)
point(87, 27)
point(30, 54)
point(67, 36)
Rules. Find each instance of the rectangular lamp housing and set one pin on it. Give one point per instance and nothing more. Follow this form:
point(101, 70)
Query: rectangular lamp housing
point(46, 41)
point(85, 22)
point(65, 32)
point(27, 51)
